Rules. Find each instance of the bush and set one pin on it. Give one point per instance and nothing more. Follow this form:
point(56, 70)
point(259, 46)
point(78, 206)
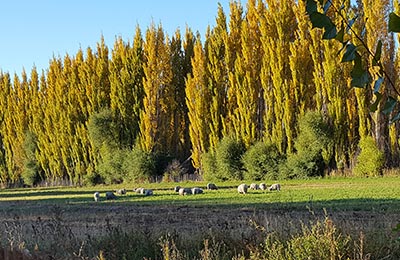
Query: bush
point(209, 167)
point(103, 130)
point(302, 166)
point(261, 161)
point(313, 148)
point(30, 173)
point(226, 163)
point(139, 166)
point(370, 161)
point(111, 167)
point(228, 157)
point(315, 136)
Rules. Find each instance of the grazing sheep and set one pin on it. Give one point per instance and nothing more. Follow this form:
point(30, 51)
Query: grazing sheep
point(139, 190)
point(148, 192)
point(212, 186)
point(185, 191)
point(263, 186)
point(254, 186)
point(121, 191)
point(242, 188)
point(177, 188)
point(275, 186)
point(197, 191)
point(110, 195)
point(96, 196)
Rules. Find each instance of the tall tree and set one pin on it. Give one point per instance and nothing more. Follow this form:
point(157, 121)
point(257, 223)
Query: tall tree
point(198, 97)
point(245, 79)
point(126, 87)
point(217, 76)
point(155, 130)
point(277, 32)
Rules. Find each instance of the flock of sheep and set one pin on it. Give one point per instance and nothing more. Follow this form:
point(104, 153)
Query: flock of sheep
point(242, 189)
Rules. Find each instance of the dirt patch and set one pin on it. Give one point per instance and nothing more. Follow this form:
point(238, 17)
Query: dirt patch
point(96, 219)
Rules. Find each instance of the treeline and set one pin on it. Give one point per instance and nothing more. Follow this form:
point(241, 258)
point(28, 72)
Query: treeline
point(160, 97)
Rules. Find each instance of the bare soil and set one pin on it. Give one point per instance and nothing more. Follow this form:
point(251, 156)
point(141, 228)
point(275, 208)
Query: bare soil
point(94, 219)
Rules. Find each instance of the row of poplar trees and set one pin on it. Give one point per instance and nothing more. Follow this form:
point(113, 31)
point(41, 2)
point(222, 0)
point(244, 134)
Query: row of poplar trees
point(254, 74)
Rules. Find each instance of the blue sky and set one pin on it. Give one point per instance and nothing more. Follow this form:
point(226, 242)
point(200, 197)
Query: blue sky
point(33, 31)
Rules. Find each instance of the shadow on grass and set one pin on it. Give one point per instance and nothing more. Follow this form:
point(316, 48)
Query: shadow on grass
point(199, 201)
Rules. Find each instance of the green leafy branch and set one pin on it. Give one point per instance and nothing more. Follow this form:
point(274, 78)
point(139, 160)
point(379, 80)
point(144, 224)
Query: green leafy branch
point(360, 76)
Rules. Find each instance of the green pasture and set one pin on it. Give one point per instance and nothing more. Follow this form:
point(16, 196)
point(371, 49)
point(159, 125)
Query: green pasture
point(370, 194)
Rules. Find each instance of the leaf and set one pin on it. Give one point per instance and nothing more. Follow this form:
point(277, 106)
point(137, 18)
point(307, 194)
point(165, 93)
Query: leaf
point(311, 7)
point(350, 53)
point(394, 22)
point(326, 6)
point(330, 32)
point(389, 105)
point(377, 84)
point(378, 53)
point(378, 99)
point(319, 20)
point(340, 35)
point(359, 76)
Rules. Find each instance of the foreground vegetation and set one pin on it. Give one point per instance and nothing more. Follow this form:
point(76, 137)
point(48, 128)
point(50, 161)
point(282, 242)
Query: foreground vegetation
point(330, 218)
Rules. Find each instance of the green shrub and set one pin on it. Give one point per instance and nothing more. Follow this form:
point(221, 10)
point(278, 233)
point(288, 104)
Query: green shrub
point(139, 166)
point(313, 148)
point(226, 163)
point(261, 161)
point(103, 130)
point(302, 166)
point(209, 167)
point(30, 173)
point(370, 161)
point(229, 154)
point(111, 166)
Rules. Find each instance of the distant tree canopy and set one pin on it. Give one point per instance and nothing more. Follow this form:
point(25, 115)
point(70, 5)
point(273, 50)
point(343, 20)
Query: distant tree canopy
point(259, 70)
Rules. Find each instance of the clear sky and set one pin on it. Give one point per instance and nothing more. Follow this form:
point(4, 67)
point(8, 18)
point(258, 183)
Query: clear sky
point(33, 31)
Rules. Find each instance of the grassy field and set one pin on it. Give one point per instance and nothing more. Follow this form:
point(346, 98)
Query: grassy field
point(368, 194)
point(69, 219)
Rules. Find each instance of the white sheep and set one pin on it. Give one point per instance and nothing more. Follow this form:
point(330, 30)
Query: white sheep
point(139, 190)
point(110, 195)
point(242, 188)
point(254, 186)
point(197, 191)
point(121, 191)
point(211, 186)
point(96, 196)
point(263, 186)
point(275, 186)
point(185, 191)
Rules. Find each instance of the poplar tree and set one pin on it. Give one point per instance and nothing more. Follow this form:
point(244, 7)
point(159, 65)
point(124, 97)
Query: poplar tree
point(155, 130)
point(246, 83)
point(233, 47)
point(375, 19)
point(126, 87)
point(198, 97)
point(217, 76)
point(277, 31)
